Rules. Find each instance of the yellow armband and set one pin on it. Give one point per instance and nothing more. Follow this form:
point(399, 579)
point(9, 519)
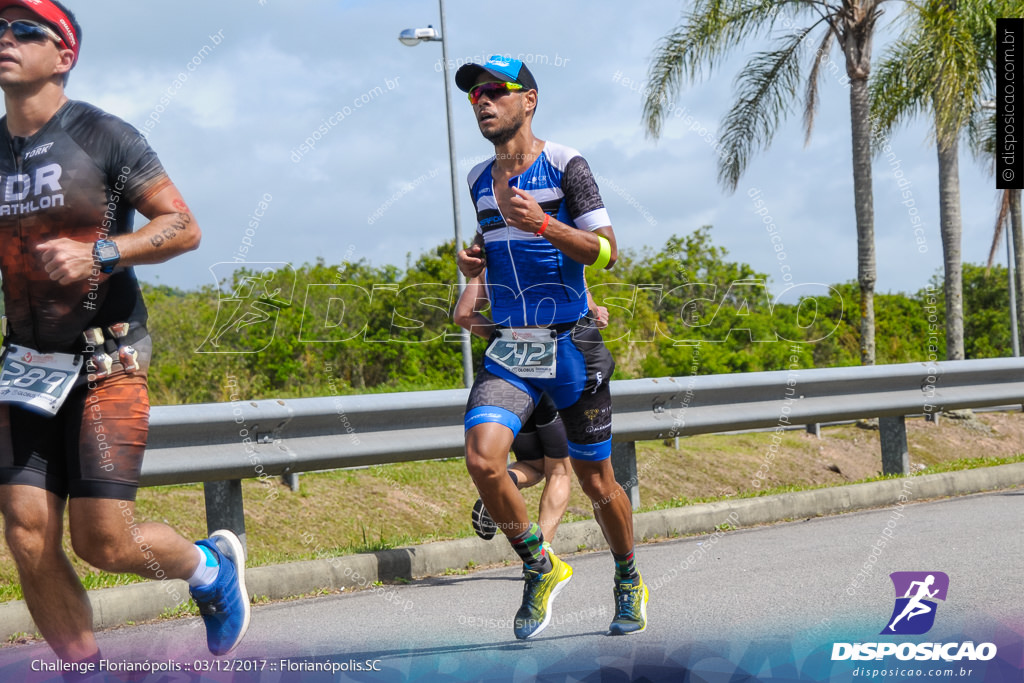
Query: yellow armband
point(604, 257)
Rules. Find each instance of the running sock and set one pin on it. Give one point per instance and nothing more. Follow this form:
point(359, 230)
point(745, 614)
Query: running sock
point(206, 572)
point(625, 568)
point(530, 547)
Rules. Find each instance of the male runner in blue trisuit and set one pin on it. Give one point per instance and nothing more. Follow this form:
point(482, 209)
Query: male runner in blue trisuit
point(540, 219)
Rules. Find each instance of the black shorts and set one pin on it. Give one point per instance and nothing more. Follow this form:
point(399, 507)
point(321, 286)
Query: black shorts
point(579, 391)
point(543, 435)
point(92, 448)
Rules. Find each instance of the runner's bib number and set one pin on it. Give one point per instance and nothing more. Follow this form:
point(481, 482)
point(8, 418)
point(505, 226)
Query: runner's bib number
point(39, 381)
point(525, 352)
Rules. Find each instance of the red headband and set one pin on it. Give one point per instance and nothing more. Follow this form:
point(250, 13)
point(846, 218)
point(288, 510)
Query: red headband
point(53, 16)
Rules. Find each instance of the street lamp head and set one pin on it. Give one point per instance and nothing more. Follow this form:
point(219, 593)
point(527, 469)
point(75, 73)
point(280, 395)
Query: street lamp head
point(415, 36)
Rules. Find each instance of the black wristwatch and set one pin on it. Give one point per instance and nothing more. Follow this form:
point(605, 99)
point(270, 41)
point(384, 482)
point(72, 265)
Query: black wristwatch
point(107, 255)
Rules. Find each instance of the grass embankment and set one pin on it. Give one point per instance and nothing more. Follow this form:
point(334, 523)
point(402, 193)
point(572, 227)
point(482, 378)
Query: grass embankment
point(354, 511)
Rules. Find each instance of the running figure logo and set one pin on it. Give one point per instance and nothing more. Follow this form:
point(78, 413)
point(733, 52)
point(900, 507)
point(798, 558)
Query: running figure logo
point(916, 593)
point(247, 314)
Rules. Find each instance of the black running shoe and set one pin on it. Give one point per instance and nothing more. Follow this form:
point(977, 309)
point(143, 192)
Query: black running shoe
point(483, 525)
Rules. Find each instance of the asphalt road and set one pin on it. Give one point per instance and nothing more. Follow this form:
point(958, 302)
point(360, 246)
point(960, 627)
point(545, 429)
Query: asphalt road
point(769, 601)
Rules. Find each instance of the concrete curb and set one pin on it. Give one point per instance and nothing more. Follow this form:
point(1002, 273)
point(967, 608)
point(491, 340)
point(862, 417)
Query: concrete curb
point(142, 601)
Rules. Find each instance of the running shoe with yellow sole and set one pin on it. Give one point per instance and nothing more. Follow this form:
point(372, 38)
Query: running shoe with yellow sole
point(538, 595)
point(630, 608)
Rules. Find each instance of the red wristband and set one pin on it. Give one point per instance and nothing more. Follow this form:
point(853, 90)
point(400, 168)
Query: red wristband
point(544, 225)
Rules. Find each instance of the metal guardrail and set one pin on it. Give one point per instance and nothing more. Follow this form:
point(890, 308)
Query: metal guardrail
point(246, 439)
point(207, 442)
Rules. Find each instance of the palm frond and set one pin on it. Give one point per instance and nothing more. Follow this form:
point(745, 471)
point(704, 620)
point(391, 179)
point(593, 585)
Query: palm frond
point(1001, 220)
point(766, 89)
point(939, 66)
point(894, 97)
point(811, 106)
point(949, 61)
point(981, 135)
point(698, 44)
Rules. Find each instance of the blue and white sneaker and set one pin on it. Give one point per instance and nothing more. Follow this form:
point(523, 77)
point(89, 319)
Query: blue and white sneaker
point(224, 604)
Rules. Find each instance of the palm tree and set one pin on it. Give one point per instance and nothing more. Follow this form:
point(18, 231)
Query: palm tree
point(941, 66)
point(1017, 232)
point(1008, 217)
point(982, 135)
point(768, 85)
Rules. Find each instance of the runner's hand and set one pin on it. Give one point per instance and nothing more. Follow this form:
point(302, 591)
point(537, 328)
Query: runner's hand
point(67, 261)
point(471, 261)
point(602, 317)
point(525, 213)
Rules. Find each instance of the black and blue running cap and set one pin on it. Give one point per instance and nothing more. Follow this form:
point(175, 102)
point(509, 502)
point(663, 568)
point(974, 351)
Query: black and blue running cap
point(502, 68)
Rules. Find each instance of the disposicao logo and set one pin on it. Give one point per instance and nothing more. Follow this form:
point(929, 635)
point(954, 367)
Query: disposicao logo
point(916, 592)
point(914, 614)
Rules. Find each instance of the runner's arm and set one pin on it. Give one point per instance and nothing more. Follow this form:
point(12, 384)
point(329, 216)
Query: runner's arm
point(472, 260)
point(172, 230)
point(467, 309)
point(600, 311)
point(581, 246)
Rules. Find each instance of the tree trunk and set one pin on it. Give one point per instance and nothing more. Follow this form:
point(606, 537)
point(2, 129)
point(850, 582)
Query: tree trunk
point(864, 205)
point(951, 229)
point(1017, 234)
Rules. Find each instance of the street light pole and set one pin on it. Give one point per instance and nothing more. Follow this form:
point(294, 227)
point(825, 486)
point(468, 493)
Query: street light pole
point(1013, 294)
point(467, 351)
point(413, 37)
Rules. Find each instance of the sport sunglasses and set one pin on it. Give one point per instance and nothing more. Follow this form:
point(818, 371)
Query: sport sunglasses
point(493, 89)
point(26, 30)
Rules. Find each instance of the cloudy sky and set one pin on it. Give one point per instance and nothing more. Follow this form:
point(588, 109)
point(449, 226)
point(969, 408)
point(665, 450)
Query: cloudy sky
point(230, 91)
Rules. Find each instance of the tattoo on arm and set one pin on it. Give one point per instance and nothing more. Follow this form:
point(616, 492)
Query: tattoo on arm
point(181, 221)
point(179, 224)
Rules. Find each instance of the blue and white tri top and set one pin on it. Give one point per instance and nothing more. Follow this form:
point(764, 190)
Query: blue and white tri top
point(529, 281)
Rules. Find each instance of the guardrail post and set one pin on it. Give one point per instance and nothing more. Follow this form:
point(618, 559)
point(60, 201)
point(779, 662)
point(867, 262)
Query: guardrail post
point(815, 429)
point(893, 434)
point(624, 466)
point(224, 507)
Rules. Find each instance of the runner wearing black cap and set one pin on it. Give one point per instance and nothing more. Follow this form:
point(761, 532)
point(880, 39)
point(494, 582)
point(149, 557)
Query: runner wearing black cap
point(540, 220)
point(74, 408)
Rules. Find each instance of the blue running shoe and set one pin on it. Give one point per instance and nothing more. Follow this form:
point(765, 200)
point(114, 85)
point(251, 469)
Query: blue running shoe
point(630, 608)
point(539, 593)
point(224, 604)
